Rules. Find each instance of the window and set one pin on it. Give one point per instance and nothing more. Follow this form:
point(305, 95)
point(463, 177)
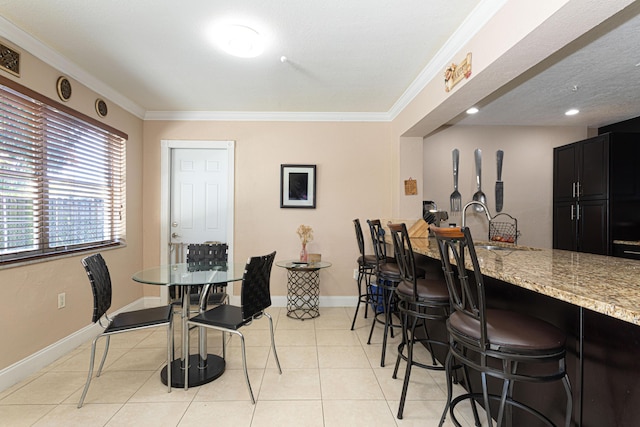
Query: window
point(62, 178)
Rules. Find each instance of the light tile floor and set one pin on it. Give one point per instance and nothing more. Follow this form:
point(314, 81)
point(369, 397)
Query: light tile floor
point(330, 378)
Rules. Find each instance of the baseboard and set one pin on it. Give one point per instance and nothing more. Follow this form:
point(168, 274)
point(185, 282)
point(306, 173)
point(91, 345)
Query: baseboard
point(29, 365)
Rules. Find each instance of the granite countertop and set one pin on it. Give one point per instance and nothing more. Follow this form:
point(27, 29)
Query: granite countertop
point(606, 285)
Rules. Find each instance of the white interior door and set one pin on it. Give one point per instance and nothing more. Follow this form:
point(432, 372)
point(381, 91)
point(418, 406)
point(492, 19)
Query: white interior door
point(196, 197)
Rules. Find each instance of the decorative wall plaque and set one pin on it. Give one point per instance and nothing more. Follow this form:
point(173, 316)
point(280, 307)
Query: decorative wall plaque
point(101, 107)
point(64, 88)
point(455, 73)
point(410, 187)
point(9, 60)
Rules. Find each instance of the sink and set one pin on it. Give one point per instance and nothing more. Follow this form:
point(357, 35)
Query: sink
point(495, 248)
point(492, 247)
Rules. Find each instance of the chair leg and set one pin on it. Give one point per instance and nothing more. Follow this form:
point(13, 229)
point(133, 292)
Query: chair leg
point(273, 341)
point(244, 365)
point(447, 365)
point(90, 374)
point(355, 316)
point(407, 373)
point(485, 394)
point(104, 356)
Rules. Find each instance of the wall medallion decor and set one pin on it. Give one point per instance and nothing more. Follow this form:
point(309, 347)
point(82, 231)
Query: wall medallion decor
point(64, 88)
point(101, 107)
point(9, 60)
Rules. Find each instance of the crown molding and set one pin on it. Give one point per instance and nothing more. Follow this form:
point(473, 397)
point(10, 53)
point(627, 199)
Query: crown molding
point(265, 116)
point(476, 20)
point(35, 47)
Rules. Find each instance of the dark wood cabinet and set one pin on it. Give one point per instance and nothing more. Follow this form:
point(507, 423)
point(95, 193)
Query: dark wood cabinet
point(581, 170)
point(596, 193)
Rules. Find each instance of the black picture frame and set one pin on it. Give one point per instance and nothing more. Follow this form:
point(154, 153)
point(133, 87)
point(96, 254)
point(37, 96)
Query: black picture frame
point(298, 186)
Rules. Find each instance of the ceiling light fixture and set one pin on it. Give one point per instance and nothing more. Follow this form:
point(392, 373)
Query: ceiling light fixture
point(239, 40)
point(472, 110)
point(572, 112)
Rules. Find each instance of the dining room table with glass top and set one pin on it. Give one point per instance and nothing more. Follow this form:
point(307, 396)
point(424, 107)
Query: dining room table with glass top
point(203, 367)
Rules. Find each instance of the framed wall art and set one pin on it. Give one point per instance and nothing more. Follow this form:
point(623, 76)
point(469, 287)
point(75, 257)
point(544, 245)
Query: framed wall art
point(298, 186)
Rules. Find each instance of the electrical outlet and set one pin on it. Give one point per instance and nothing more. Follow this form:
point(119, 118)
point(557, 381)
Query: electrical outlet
point(62, 300)
point(355, 273)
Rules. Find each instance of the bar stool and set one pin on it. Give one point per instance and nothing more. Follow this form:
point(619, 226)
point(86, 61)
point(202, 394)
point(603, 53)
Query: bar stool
point(366, 267)
point(387, 275)
point(496, 343)
point(419, 301)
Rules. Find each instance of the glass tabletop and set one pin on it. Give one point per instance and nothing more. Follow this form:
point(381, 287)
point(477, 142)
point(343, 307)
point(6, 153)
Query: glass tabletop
point(186, 274)
point(298, 265)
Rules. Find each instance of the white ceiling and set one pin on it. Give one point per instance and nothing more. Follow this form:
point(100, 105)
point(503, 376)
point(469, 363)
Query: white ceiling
point(350, 58)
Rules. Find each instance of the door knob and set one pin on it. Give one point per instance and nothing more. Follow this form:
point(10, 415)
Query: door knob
point(175, 235)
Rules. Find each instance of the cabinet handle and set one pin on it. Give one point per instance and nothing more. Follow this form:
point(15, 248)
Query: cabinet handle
point(578, 212)
point(573, 191)
point(578, 192)
point(572, 213)
point(632, 252)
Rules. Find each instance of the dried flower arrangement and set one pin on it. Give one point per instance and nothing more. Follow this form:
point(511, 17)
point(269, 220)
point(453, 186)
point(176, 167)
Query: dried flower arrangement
point(306, 234)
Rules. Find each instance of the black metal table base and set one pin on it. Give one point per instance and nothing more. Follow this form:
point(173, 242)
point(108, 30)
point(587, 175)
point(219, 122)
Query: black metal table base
point(197, 376)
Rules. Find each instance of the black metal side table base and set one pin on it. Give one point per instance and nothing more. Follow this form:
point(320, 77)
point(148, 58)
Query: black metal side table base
point(303, 293)
point(197, 376)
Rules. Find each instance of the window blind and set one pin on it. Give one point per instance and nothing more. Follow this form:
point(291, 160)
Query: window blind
point(62, 180)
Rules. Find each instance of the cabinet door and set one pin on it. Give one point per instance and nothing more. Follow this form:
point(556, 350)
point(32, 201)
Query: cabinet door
point(565, 172)
point(593, 169)
point(593, 230)
point(565, 231)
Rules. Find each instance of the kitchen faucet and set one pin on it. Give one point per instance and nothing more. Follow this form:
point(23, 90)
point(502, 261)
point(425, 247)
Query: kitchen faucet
point(474, 202)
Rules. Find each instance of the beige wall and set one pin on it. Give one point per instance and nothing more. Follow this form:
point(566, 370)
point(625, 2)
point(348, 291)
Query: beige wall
point(29, 315)
point(527, 174)
point(353, 181)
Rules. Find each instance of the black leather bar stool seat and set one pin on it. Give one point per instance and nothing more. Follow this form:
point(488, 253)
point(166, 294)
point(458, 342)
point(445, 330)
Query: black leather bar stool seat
point(505, 345)
point(421, 302)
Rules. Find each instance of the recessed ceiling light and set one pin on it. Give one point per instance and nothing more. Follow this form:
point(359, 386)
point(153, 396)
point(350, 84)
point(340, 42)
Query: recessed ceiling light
point(239, 40)
point(472, 110)
point(571, 112)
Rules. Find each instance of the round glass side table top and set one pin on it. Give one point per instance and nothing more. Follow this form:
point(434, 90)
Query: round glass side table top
point(298, 265)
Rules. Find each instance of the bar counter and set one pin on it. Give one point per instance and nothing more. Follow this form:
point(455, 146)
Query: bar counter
point(595, 299)
point(603, 284)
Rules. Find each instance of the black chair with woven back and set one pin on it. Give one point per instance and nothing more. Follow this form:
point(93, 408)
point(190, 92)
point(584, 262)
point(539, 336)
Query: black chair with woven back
point(255, 299)
point(96, 268)
point(205, 256)
point(421, 301)
point(508, 346)
point(366, 269)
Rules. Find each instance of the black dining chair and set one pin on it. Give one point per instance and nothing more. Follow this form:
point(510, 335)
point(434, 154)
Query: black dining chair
point(505, 345)
point(204, 256)
point(255, 298)
point(100, 280)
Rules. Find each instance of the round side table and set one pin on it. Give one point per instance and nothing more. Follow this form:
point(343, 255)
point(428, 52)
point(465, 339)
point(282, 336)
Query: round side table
point(303, 287)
